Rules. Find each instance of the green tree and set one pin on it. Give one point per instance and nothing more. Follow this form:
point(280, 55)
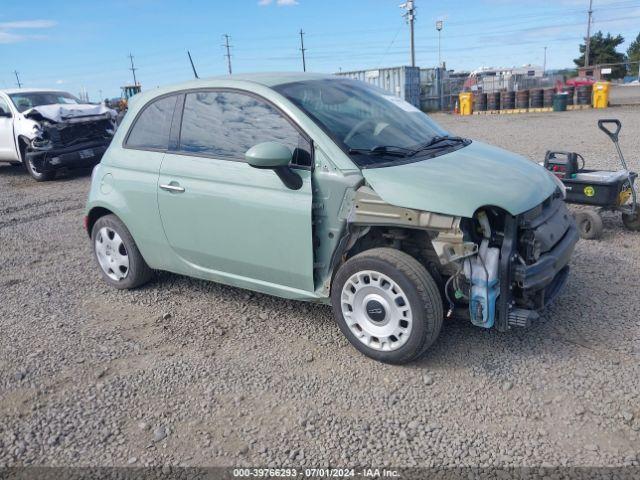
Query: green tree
point(633, 53)
point(603, 50)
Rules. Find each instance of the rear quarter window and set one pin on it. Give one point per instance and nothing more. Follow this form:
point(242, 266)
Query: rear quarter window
point(152, 126)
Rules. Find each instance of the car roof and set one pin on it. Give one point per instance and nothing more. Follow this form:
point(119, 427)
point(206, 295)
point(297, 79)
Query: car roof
point(267, 79)
point(10, 91)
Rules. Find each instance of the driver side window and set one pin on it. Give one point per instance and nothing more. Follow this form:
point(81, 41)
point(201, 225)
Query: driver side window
point(225, 124)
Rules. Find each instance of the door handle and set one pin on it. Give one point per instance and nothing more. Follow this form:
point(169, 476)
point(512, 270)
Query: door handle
point(172, 188)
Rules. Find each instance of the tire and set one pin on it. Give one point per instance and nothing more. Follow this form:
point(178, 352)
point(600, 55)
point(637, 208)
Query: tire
point(390, 272)
point(117, 255)
point(589, 224)
point(632, 222)
point(31, 169)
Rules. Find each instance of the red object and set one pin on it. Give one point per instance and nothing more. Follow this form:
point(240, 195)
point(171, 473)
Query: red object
point(580, 81)
point(85, 222)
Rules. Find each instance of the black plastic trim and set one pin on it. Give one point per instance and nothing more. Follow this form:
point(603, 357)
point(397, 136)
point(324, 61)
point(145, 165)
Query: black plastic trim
point(542, 273)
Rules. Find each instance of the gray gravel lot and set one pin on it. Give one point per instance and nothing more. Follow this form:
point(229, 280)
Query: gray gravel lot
point(189, 372)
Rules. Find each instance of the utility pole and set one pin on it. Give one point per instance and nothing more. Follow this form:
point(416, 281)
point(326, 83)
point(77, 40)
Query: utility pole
point(228, 55)
point(133, 69)
point(18, 79)
point(409, 6)
point(544, 65)
point(439, 25)
point(588, 42)
point(302, 49)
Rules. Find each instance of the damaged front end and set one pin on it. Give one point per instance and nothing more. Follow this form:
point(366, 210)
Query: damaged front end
point(498, 268)
point(73, 141)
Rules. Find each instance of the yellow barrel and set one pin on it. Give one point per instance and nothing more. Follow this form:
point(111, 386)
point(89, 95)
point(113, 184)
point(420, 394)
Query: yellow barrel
point(466, 103)
point(601, 94)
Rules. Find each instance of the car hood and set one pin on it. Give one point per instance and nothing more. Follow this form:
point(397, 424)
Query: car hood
point(68, 112)
point(460, 182)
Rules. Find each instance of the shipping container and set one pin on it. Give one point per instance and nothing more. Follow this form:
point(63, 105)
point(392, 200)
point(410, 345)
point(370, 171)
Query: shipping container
point(403, 82)
point(431, 89)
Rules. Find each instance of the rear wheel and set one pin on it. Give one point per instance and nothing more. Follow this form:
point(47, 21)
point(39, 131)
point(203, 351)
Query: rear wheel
point(589, 224)
point(632, 222)
point(117, 255)
point(387, 305)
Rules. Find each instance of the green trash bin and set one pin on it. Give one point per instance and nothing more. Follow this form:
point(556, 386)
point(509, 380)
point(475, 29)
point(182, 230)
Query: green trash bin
point(560, 102)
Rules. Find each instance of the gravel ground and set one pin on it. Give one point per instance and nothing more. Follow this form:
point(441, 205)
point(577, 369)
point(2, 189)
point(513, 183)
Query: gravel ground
point(185, 372)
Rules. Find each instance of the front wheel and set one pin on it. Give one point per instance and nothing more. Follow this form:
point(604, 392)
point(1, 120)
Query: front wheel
point(589, 224)
point(117, 255)
point(38, 176)
point(387, 305)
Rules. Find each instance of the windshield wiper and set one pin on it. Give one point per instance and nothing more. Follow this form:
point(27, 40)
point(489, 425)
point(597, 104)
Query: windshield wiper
point(436, 142)
point(383, 150)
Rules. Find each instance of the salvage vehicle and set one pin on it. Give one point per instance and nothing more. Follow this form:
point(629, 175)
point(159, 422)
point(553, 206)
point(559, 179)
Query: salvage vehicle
point(47, 130)
point(327, 189)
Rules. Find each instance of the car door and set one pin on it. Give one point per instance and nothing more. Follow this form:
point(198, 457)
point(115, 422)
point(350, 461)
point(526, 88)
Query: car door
point(240, 224)
point(7, 142)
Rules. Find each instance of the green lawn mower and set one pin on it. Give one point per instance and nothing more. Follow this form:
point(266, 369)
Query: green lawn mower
point(605, 189)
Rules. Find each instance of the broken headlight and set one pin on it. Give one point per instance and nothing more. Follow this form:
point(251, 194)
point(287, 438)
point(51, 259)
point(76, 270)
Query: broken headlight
point(40, 143)
point(560, 185)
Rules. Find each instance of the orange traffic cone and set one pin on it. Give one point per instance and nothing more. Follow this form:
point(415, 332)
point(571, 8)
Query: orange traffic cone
point(456, 110)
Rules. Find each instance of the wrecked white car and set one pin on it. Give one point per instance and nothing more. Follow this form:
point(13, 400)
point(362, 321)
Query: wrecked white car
point(47, 131)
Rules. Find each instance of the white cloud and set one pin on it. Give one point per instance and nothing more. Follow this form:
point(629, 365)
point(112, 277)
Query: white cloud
point(59, 82)
point(7, 29)
point(6, 37)
point(22, 24)
point(280, 3)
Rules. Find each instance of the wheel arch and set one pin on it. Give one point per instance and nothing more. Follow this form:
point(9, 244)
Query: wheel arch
point(23, 143)
point(94, 215)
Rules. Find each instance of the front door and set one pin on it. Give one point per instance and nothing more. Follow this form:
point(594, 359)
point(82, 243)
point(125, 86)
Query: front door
point(222, 216)
point(7, 143)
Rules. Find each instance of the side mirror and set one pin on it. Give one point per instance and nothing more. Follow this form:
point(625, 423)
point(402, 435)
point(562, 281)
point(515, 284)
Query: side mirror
point(276, 157)
point(268, 155)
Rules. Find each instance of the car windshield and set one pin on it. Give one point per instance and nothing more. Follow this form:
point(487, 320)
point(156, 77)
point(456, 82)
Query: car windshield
point(25, 101)
point(375, 127)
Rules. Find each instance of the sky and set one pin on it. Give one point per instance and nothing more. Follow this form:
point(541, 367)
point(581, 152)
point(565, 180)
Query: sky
point(79, 44)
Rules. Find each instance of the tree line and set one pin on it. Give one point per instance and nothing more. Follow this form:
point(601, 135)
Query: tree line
point(603, 50)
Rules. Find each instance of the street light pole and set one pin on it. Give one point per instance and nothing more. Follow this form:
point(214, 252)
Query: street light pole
point(544, 65)
point(439, 25)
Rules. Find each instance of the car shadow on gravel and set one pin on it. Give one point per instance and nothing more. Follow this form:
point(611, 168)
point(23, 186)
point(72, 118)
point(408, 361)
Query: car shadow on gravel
point(18, 171)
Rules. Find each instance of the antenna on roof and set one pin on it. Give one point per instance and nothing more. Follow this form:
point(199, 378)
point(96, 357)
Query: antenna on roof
point(17, 79)
point(195, 74)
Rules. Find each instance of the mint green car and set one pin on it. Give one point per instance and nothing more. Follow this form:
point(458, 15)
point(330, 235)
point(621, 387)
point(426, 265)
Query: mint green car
point(325, 189)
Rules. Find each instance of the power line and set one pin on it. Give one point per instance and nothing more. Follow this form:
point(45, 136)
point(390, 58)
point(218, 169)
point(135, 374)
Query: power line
point(588, 41)
point(18, 79)
point(228, 55)
point(133, 69)
point(302, 49)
